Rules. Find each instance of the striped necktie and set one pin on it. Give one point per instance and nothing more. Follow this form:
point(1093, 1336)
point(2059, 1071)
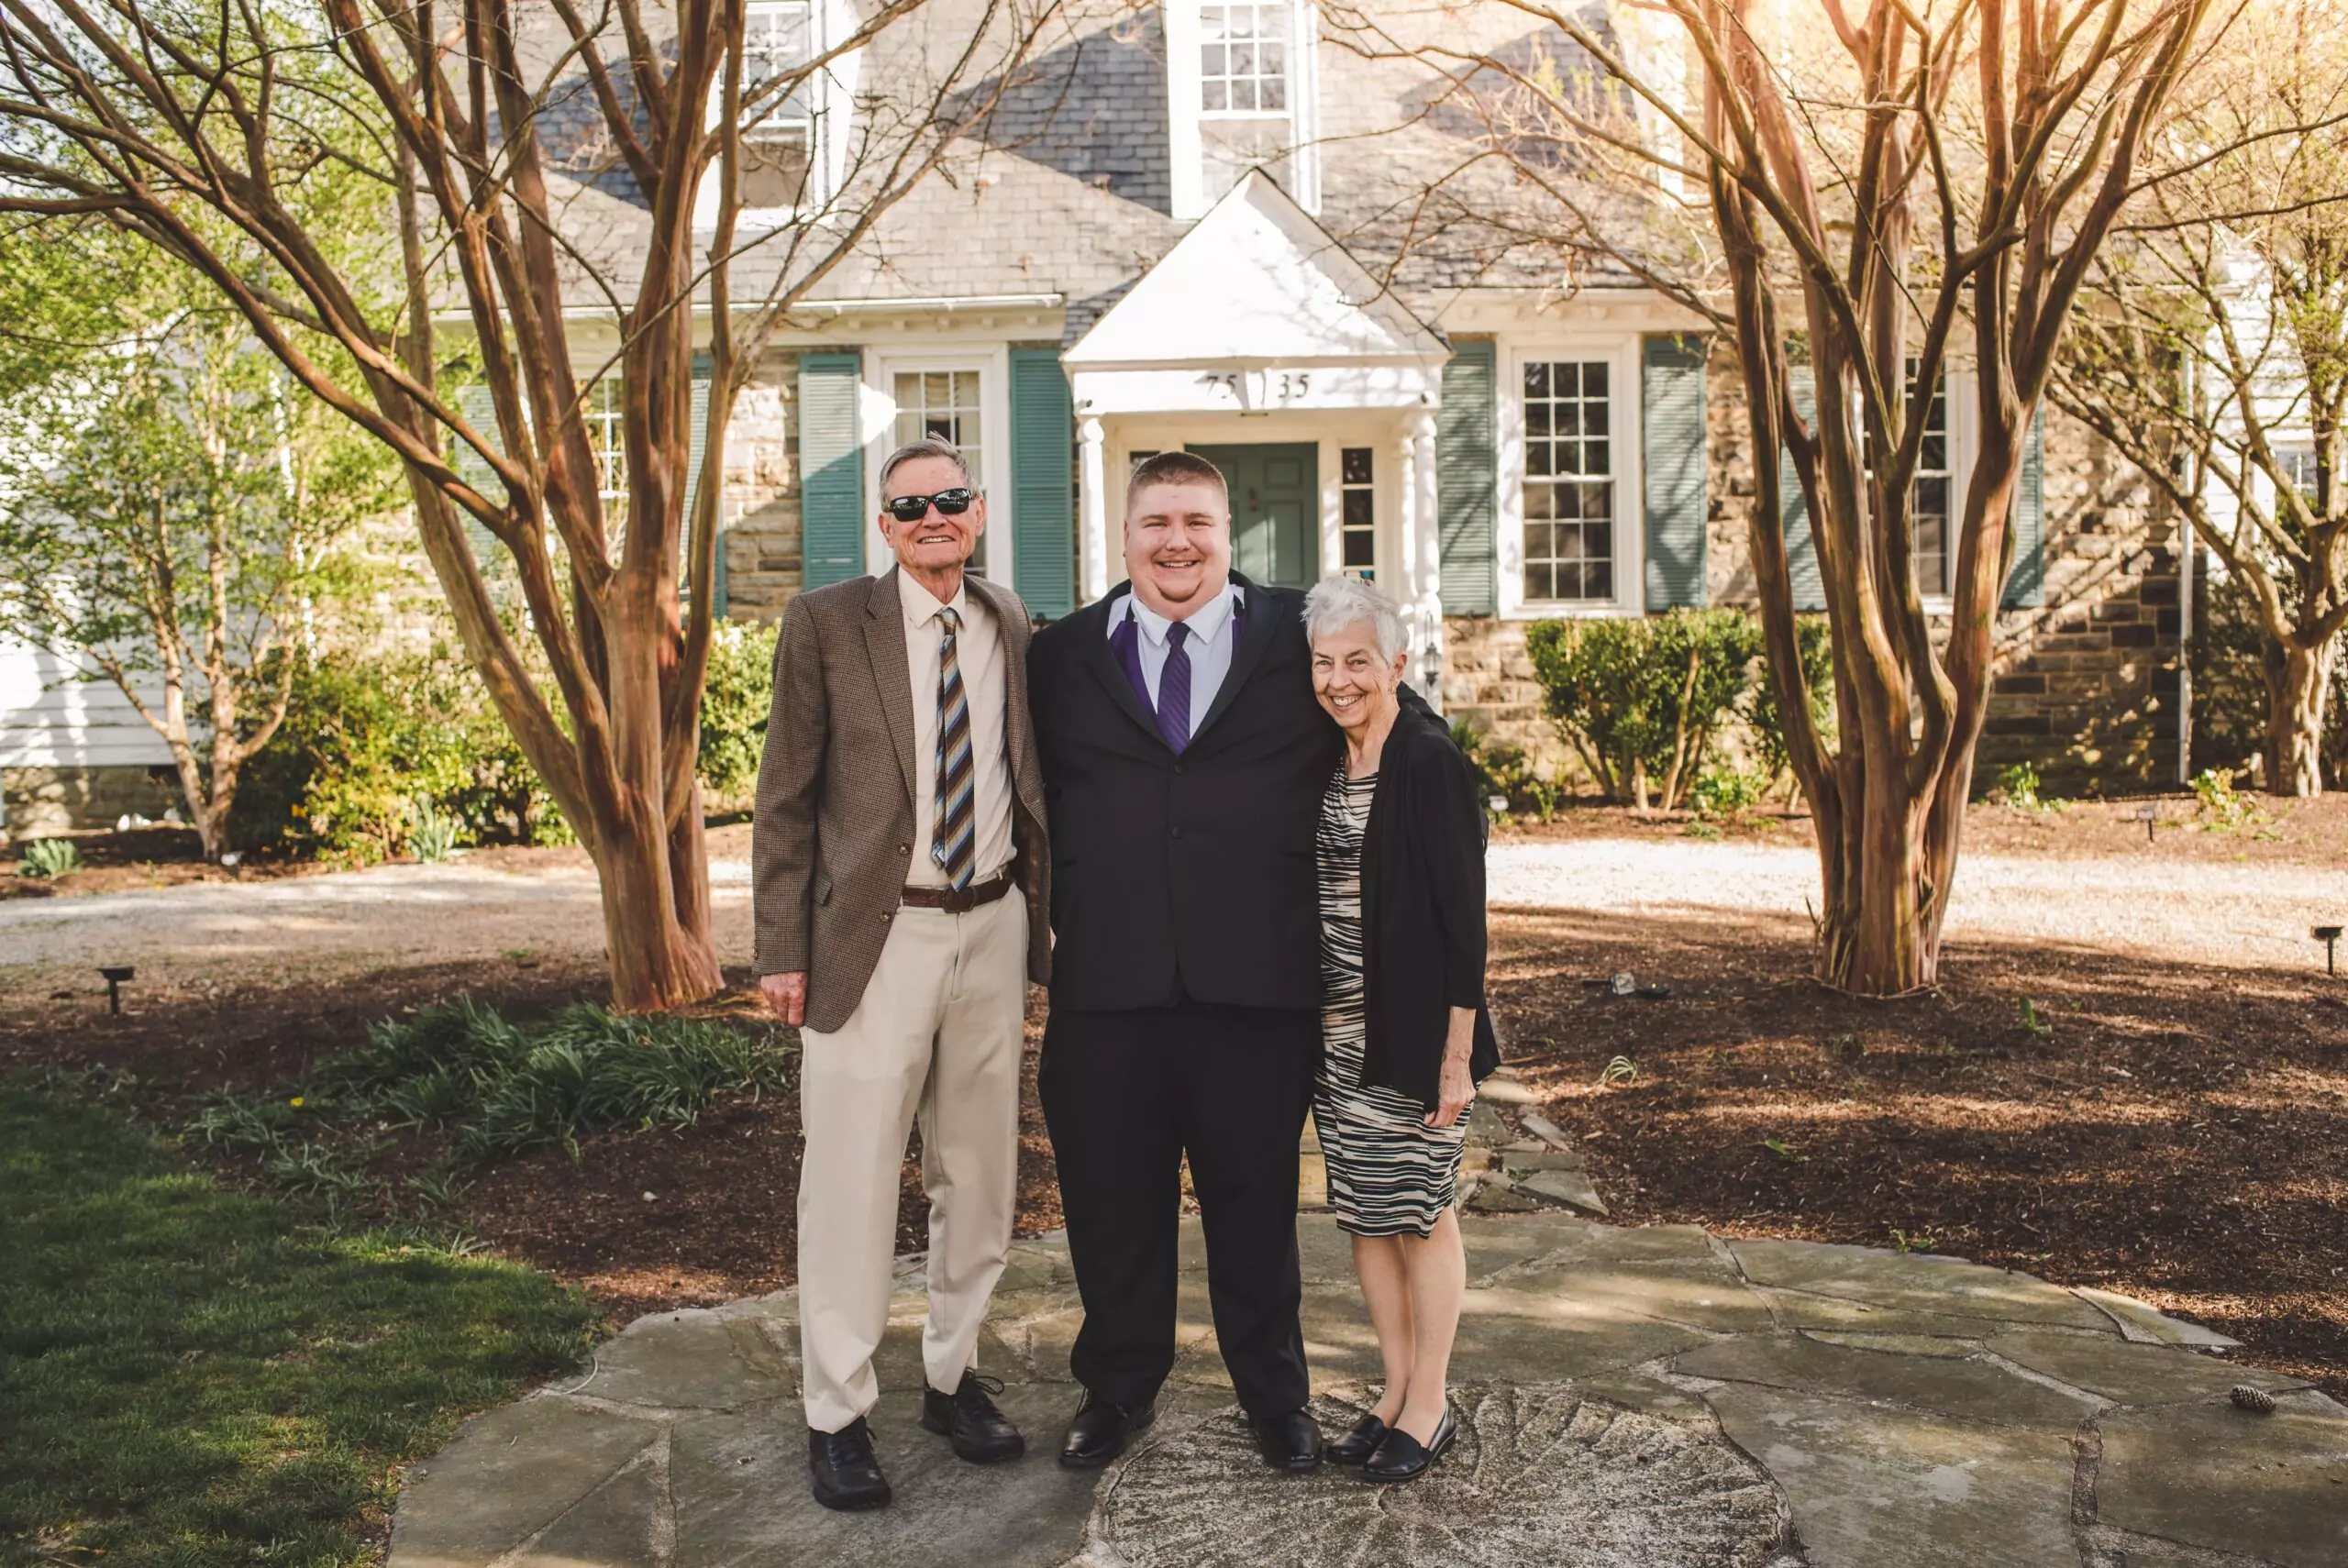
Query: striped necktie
point(954, 846)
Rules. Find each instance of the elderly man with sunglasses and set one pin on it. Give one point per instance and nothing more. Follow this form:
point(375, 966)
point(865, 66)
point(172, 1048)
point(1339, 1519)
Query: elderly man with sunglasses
point(900, 865)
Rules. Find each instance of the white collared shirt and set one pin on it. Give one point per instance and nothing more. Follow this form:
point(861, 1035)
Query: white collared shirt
point(1212, 641)
point(978, 652)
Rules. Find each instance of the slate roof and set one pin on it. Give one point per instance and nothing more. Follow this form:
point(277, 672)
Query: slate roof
point(1064, 186)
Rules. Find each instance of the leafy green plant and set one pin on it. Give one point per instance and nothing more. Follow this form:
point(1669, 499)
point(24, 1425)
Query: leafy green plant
point(1727, 791)
point(1765, 721)
point(432, 832)
point(2017, 786)
point(734, 707)
point(1618, 1070)
point(1906, 1241)
point(2032, 1020)
point(2222, 808)
point(1504, 773)
point(1640, 699)
point(48, 857)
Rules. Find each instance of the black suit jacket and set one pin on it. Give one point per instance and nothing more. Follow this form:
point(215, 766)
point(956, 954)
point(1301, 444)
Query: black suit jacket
point(1190, 876)
point(1422, 908)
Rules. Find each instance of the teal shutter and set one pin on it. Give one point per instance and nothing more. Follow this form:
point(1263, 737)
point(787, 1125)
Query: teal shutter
point(2026, 584)
point(1801, 550)
point(1466, 468)
point(1043, 483)
point(831, 468)
point(1672, 454)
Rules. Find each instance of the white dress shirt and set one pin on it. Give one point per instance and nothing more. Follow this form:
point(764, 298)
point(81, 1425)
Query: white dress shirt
point(977, 650)
point(1211, 642)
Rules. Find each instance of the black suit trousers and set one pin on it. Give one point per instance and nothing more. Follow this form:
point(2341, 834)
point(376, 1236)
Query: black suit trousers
point(1125, 1095)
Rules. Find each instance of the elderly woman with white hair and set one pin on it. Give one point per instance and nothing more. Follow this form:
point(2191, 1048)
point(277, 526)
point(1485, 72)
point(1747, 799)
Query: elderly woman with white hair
point(1406, 1033)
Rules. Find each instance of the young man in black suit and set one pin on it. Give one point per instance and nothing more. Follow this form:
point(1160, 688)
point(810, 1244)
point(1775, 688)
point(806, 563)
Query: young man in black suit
point(1184, 758)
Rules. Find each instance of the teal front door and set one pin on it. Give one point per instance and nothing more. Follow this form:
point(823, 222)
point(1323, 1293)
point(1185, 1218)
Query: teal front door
point(1275, 501)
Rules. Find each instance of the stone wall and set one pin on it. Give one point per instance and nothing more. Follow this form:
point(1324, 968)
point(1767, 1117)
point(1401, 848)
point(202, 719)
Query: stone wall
point(38, 801)
point(2086, 685)
point(761, 501)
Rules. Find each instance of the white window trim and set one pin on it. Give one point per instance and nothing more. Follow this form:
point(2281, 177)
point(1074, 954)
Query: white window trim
point(1183, 112)
point(1964, 446)
point(829, 147)
point(993, 362)
point(1625, 436)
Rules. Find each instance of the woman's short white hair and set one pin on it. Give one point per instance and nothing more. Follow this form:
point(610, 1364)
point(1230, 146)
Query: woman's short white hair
point(1335, 603)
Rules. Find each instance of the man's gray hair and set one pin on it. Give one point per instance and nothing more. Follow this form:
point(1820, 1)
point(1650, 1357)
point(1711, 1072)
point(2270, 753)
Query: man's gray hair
point(926, 447)
point(1335, 603)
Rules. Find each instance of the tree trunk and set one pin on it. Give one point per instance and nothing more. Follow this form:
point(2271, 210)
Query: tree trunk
point(655, 915)
point(2298, 689)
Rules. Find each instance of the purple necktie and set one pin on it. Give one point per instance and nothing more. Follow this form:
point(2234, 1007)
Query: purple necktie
point(1174, 690)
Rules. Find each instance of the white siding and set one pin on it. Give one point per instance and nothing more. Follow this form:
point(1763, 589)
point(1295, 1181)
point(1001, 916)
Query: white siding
point(47, 720)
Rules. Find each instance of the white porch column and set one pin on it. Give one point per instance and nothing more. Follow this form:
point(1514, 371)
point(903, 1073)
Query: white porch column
point(1092, 539)
point(1424, 563)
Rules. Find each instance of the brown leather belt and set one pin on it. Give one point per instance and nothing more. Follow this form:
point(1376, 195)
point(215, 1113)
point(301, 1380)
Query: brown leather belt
point(961, 900)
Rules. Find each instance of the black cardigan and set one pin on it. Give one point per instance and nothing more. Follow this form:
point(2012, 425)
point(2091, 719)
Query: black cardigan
point(1422, 908)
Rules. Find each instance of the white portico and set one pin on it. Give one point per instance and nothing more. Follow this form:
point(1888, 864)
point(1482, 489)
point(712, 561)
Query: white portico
point(1258, 341)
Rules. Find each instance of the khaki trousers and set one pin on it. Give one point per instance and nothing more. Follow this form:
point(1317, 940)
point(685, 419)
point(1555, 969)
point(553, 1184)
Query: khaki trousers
point(936, 1035)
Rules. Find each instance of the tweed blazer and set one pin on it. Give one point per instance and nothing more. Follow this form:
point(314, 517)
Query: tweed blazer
point(837, 820)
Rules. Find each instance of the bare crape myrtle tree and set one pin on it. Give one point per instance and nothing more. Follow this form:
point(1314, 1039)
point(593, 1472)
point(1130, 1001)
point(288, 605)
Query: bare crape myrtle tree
point(2212, 347)
point(553, 175)
point(1855, 196)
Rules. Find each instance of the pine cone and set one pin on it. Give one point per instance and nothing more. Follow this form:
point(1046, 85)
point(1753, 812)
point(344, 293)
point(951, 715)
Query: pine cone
point(2251, 1398)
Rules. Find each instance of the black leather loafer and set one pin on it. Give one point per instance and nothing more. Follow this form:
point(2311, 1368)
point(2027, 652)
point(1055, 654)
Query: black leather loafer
point(1100, 1429)
point(968, 1418)
point(846, 1474)
point(1402, 1457)
point(1358, 1445)
point(1291, 1441)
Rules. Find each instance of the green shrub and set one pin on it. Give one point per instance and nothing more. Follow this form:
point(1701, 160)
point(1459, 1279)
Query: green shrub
point(1641, 699)
point(375, 754)
point(2222, 808)
point(734, 710)
point(1727, 791)
point(1766, 721)
point(2017, 786)
point(1504, 773)
point(50, 857)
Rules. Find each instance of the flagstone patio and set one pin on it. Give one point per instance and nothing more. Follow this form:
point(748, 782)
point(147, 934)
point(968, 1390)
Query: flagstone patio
point(1634, 1398)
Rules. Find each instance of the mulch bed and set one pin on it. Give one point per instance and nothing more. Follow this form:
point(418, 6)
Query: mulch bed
point(156, 857)
point(2177, 1133)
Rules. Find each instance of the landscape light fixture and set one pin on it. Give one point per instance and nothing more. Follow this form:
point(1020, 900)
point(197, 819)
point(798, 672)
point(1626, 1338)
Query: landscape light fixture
point(2330, 936)
point(114, 974)
point(2148, 813)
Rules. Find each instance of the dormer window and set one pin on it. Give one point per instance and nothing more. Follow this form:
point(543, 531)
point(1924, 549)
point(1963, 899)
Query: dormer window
point(795, 144)
point(1240, 89)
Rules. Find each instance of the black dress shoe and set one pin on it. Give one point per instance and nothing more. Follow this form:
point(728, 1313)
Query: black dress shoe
point(1290, 1442)
point(1358, 1445)
point(980, 1432)
point(1402, 1457)
point(1099, 1432)
point(846, 1474)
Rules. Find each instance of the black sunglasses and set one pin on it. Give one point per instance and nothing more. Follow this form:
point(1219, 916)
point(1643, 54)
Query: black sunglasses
point(914, 508)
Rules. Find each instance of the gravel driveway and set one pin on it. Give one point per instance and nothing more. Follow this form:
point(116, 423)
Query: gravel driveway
point(396, 916)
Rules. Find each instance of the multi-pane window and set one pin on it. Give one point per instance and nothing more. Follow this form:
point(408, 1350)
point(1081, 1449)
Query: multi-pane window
point(1928, 498)
point(603, 416)
point(1243, 59)
point(1568, 482)
point(1358, 516)
point(777, 146)
point(2298, 467)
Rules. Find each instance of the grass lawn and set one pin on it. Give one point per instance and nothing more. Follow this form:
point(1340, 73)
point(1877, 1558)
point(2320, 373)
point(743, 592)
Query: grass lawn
point(192, 1375)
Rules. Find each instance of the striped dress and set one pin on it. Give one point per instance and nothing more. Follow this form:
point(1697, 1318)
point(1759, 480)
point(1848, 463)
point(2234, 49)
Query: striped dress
point(1389, 1173)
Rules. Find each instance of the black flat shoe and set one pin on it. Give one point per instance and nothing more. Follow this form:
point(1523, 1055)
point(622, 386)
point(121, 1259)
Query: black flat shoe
point(1402, 1457)
point(841, 1464)
point(1290, 1443)
point(980, 1433)
point(1358, 1445)
point(1100, 1429)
